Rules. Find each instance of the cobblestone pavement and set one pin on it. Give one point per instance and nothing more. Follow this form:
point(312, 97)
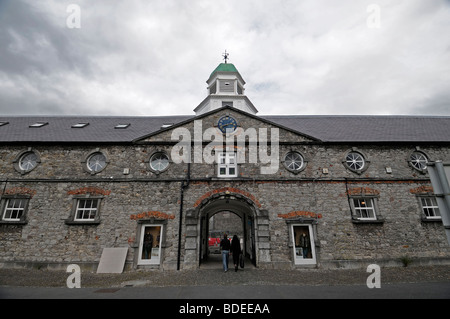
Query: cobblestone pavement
point(216, 277)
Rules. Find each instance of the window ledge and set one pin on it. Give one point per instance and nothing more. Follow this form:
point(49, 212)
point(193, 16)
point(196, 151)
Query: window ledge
point(365, 222)
point(72, 222)
point(431, 220)
point(20, 222)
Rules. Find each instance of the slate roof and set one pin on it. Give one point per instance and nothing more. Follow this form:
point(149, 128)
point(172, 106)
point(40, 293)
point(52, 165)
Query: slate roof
point(101, 129)
point(334, 129)
point(369, 128)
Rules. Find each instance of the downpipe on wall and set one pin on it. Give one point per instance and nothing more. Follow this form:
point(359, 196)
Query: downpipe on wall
point(184, 185)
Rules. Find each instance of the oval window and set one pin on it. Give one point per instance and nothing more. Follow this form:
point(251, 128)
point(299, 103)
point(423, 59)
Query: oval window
point(159, 161)
point(96, 162)
point(294, 161)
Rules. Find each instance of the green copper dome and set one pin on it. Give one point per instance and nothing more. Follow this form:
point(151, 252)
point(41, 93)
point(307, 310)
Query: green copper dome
point(225, 67)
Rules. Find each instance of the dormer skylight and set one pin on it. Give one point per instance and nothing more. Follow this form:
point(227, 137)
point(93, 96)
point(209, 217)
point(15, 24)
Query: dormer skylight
point(3, 123)
point(80, 125)
point(122, 126)
point(166, 125)
point(38, 124)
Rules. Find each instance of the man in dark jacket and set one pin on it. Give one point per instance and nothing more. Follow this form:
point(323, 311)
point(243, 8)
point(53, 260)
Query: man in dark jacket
point(236, 251)
point(225, 246)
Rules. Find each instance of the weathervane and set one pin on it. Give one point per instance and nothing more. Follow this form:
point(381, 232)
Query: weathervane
point(225, 56)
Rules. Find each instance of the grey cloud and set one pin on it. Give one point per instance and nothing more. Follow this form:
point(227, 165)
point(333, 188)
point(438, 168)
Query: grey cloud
point(153, 57)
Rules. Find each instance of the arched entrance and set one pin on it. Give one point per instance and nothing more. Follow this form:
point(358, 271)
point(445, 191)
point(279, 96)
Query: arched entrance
point(254, 221)
point(214, 225)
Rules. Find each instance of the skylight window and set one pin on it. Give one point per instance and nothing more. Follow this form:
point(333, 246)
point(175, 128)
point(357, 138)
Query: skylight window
point(80, 125)
point(166, 125)
point(122, 126)
point(2, 123)
point(38, 124)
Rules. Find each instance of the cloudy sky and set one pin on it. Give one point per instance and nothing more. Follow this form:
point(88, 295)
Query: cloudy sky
point(136, 57)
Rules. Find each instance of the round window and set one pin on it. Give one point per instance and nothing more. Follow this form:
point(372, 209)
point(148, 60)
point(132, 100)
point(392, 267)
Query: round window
point(28, 161)
point(159, 161)
point(294, 161)
point(419, 161)
point(96, 162)
point(355, 161)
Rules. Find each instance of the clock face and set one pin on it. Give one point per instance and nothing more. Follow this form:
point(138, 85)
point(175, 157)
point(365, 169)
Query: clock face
point(227, 124)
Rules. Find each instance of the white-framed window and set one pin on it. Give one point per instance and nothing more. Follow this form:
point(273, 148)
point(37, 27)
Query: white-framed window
point(150, 244)
point(95, 161)
point(159, 162)
point(87, 209)
point(227, 164)
point(14, 209)
point(355, 161)
point(294, 161)
point(419, 161)
point(364, 208)
point(303, 244)
point(430, 207)
point(26, 161)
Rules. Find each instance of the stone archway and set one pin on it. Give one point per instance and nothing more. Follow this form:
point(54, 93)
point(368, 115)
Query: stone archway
point(255, 221)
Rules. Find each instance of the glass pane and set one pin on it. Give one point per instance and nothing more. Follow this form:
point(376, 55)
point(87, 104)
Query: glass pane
point(159, 162)
point(419, 161)
point(293, 161)
point(355, 161)
point(151, 242)
point(96, 162)
point(28, 161)
point(302, 242)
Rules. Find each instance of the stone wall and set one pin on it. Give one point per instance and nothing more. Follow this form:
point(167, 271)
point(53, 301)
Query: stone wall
point(51, 187)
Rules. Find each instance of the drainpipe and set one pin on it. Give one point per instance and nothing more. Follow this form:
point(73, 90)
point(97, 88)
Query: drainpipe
point(348, 197)
point(184, 185)
point(4, 188)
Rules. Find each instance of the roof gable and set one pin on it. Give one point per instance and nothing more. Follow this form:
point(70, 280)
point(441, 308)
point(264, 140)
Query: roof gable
point(245, 122)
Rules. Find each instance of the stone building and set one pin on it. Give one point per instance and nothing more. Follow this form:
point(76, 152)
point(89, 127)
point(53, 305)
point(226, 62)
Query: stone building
point(311, 191)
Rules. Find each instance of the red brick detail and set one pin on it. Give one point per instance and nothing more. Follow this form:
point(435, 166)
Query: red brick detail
point(362, 191)
point(424, 189)
point(300, 213)
point(230, 190)
point(89, 190)
point(150, 214)
point(20, 191)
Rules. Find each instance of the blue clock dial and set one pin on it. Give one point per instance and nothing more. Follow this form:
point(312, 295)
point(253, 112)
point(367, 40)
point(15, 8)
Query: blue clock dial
point(227, 124)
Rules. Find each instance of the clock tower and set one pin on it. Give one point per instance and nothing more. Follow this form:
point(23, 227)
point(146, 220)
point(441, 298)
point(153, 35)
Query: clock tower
point(225, 88)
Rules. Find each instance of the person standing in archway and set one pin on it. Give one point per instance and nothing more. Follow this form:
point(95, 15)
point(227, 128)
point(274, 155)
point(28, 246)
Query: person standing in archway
point(236, 251)
point(225, 246)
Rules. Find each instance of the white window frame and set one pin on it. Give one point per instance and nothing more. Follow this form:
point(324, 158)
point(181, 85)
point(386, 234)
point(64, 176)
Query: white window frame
point(433, 207)
point(357, 210)
point(294, 158)
point(89, 210)
point(156, 251)
point(99, 164)
point(418, 160)
point(160, 158)
point(227, 161)
point(298, 257)
point(22, 209)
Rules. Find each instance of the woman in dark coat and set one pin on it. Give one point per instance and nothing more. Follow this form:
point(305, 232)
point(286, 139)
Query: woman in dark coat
point(236, 251)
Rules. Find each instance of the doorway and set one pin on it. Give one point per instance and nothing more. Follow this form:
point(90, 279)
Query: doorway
point(303, 244)
point(253, 227)
point(215, 226)
point(150, 244)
